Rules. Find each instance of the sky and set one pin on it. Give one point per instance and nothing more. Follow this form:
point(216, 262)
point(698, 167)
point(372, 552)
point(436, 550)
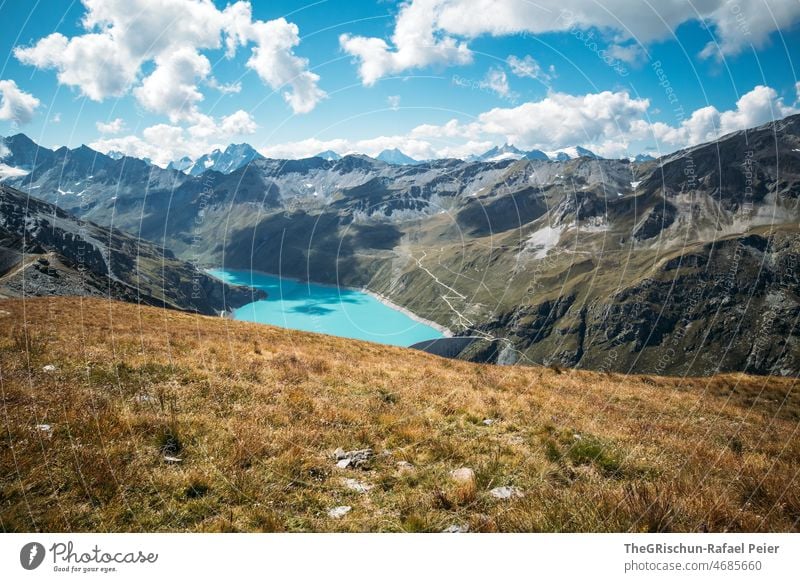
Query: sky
point(435, 78)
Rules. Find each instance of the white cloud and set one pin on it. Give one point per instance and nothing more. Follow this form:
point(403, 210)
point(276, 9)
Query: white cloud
point(56, 118)
point(238, 123)
point(16, 105)
point(94, 63)
point(171, 88)
point(416, 44)
point(224, 88)
point(429, 32)
point(612, 124)
point(393, 101)
point(122, 35)
point(112, 127)
point(633, 54)
point(760, 105)
point(496, 80)
point(560, 119)
point(163, 143)
point(273, 60)
point(529, 67)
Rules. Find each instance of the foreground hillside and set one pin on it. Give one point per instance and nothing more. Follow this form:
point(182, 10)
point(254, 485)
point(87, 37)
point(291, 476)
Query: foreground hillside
point(125, 418)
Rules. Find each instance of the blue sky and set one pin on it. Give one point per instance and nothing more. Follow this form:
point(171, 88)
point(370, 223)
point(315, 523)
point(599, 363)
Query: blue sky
point(476, 68)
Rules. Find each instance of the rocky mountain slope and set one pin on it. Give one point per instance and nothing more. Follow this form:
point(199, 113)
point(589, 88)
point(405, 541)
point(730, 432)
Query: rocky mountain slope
point(680, 265)
point(45, 251)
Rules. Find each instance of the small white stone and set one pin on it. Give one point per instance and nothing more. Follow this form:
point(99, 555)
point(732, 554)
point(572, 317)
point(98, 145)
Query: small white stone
point(172, 460)
point(339, 511)
point(455, 528)
point(343, 463)
point(488, 421)
point(49, 368)
point(356, 485)
point(44, 428)
point(506, 492)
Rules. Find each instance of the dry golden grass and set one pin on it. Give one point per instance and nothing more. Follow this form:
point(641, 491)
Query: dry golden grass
point(255, 412)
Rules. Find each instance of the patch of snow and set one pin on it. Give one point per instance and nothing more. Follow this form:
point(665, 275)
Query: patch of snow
point(635, 184)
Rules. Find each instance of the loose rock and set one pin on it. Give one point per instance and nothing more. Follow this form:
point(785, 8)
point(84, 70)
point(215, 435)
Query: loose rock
point(357, 486)
point(455, 528)
point(463, 475)
point(339, 511)
point(49, 368)
point(506, 492)
point(357, 459)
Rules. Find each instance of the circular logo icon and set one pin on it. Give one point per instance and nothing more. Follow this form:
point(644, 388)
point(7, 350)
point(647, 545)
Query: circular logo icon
point(31, 555)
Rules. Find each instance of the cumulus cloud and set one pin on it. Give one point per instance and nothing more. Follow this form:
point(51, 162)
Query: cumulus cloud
point(163, 142)
point(16, 105)
point(224, 88)
point(411, 145)
point(122, 35)
point(429, 32)
point(416, 43)
point(496, 80)
point(272, 59)
point(760, 105)
point(612, 124)
point(112, 127)
point(529, 67)
point(171, 88)
point(564, 119)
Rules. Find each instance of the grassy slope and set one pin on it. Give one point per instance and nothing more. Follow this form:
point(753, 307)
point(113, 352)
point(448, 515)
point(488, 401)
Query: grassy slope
point(255, 412)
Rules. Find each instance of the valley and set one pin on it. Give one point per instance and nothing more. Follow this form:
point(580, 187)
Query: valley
point(684, 265)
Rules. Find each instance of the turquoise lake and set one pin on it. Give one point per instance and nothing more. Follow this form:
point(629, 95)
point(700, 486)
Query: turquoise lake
point(325, 309)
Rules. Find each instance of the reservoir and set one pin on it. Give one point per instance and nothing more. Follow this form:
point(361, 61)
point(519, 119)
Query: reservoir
point(325, 309)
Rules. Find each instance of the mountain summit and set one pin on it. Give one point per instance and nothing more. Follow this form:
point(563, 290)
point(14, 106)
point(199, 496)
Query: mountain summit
point(234, 157)
point(396, 157)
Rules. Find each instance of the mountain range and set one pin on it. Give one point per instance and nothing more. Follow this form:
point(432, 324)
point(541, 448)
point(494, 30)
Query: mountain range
point(237, 155)
point(682, 265)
